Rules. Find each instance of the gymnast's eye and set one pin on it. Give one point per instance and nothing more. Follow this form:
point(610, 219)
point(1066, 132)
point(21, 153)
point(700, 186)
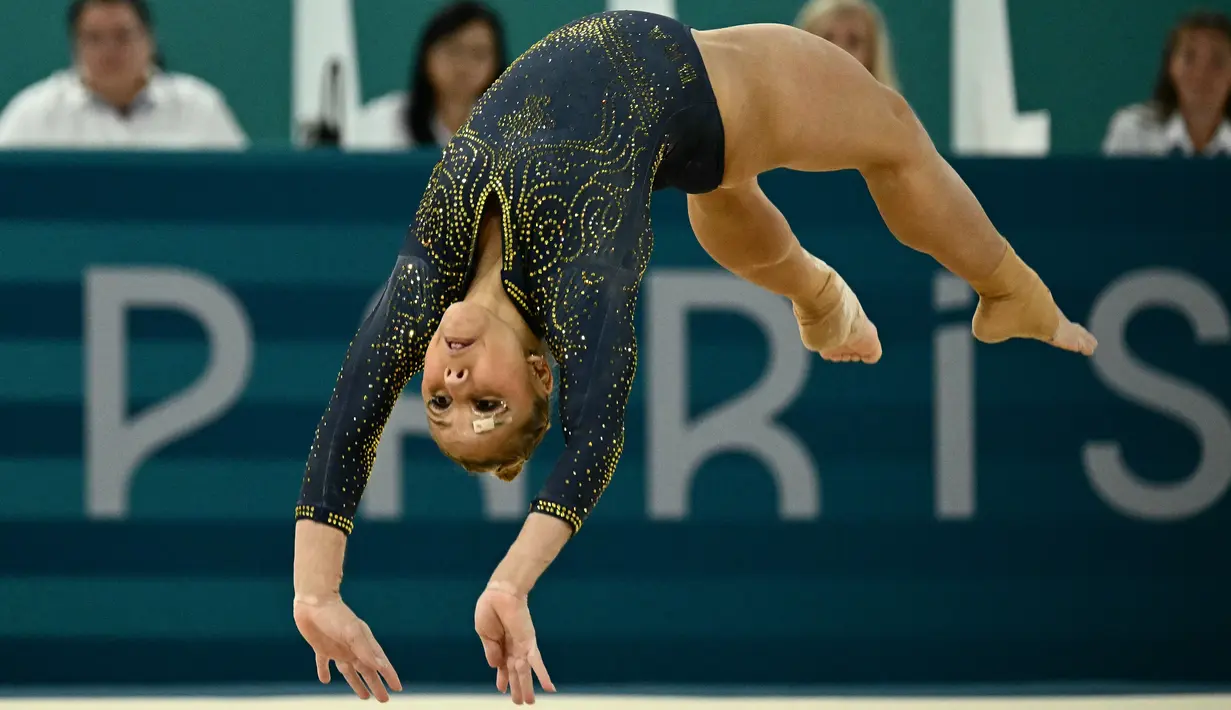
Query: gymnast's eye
point(440, 401)
point(487, 406)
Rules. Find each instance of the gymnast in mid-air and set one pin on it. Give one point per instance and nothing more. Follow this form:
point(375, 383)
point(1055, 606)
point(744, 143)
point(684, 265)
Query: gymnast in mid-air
point(531, 240)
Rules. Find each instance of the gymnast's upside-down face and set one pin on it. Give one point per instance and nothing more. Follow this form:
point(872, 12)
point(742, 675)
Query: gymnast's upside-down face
point(486, 397)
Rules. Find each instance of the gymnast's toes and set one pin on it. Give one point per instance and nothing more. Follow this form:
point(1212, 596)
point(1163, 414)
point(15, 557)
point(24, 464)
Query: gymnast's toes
point(863, 345)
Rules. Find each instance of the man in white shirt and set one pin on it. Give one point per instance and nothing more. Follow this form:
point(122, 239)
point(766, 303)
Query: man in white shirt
point(115, 97)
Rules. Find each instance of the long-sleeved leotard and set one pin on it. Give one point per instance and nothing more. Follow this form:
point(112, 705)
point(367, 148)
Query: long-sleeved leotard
point(571, 142)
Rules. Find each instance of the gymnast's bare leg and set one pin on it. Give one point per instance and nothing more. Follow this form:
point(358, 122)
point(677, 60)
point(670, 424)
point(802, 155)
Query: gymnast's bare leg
point(792, 100)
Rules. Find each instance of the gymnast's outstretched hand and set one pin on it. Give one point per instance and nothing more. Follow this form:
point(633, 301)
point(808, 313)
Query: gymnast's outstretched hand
point(502, 620)
point(338, 635)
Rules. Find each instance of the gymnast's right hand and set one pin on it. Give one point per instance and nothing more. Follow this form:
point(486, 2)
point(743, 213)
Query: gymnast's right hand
point(338, 635)
point(327, 624)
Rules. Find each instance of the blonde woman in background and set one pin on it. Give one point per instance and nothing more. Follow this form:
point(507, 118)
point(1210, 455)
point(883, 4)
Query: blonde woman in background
point(859, 27)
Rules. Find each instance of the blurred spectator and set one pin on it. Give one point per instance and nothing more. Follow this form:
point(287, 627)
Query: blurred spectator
point(1190, 112)
point(116, 95)
point(859, 27)
point(461, 53)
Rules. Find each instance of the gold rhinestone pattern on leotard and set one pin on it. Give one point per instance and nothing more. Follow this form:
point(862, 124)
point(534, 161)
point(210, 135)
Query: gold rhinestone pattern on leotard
point(572, 168)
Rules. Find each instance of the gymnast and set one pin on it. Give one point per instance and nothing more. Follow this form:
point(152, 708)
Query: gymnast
point(532, 238)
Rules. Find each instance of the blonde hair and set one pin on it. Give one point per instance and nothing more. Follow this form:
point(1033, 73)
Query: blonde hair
point(882, 68)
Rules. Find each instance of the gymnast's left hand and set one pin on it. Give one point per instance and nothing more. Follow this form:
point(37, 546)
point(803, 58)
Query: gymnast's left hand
point(502, 620)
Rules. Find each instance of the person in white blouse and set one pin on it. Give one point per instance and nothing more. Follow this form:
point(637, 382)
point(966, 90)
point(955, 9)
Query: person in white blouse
point(461, 53)
point(1190, 112)
point(115, 96)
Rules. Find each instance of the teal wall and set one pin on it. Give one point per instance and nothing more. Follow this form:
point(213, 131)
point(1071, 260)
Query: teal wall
point(1079, 60)
point(1048, 578)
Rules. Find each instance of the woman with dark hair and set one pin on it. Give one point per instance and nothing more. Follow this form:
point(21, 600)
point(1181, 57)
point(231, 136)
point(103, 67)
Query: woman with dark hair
point(1190, 112)
point(532, 237)
point(460, 54)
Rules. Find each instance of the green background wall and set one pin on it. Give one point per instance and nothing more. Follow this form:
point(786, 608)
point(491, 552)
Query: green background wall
point(1079, 60)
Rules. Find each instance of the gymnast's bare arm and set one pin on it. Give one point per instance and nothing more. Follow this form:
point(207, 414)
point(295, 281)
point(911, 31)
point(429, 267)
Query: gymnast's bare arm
point(792, 100)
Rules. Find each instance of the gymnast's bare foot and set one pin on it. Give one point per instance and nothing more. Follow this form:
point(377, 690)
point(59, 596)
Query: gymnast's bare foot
point(1034, 316)
point(1074, 338)
point(862, 345)
point(835, 326)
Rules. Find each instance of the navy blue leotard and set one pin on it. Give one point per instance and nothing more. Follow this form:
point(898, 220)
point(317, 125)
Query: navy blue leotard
point(571, 142)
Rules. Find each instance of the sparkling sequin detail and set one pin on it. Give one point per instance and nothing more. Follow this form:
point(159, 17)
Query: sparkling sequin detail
point(568, 141)
point(385, 354)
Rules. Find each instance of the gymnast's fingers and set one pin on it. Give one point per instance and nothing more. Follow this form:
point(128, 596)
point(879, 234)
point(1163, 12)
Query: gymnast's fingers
point(322, 668)
point(373, 681)
point(348, 672)
point(526, 677)
point(514, 683)
point(493, 652)
point(517, 682)
point(374, 657)
point(502, 679)
point(540, 670)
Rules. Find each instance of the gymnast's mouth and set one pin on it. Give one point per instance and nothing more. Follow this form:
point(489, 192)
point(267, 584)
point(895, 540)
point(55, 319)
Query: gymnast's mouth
point(458, 344)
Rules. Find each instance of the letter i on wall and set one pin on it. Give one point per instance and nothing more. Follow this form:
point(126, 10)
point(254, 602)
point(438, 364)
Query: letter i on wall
point(953, 416)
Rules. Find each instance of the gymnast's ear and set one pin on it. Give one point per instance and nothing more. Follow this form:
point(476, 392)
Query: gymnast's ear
point(542, 370)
